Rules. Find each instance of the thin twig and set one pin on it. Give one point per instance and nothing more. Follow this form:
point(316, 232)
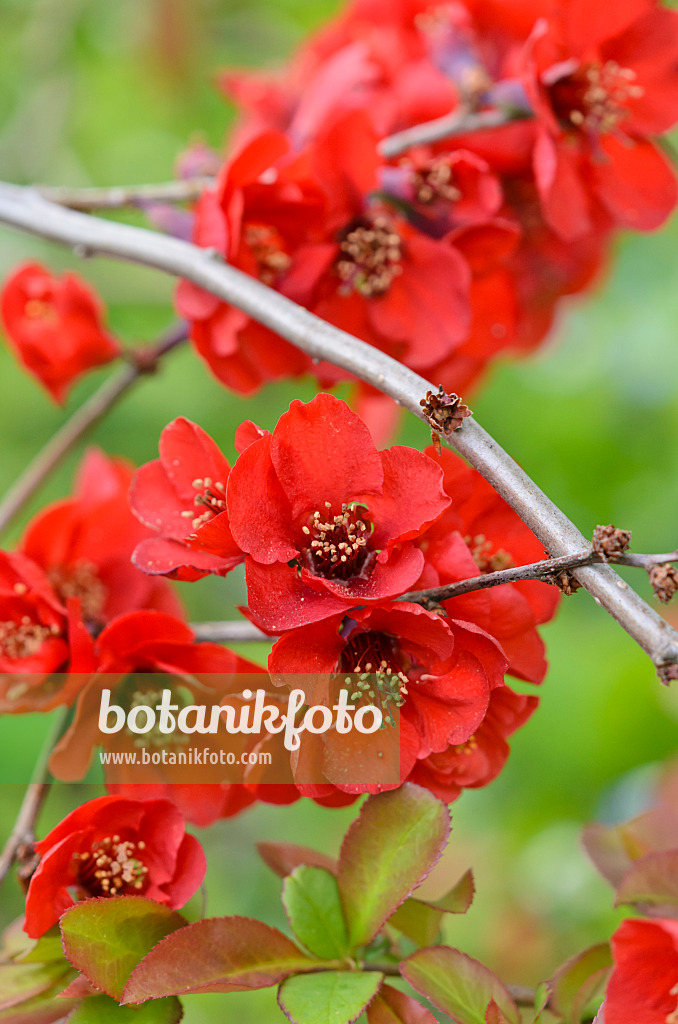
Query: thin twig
point(23, 833)
point(459, 122)
point(522, 994)
point(118, 196)
point(533, 571)
point(25, 209)
point(82, 420)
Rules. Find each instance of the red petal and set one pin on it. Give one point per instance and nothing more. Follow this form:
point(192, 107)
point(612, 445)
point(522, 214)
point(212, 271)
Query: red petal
point(636, 183)
point(188, 452)
point(258, 510)
point(412, 498)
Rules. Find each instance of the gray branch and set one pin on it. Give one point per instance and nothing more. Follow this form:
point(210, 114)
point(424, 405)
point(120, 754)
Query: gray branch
point(27, 210)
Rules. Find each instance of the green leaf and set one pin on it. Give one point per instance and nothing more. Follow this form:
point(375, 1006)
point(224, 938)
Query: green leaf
point(390, 1006)
point(106, 1011)
point(106, 938)
point(21, 982)
point(418, 921)
point(461, 987)
point(283, 858)
point(575, 984)
point(653, 879)
point(330, 997)
point(220, 954)
point(458, 899)
point(311, 899)
point(387, 852)
point(46, 949)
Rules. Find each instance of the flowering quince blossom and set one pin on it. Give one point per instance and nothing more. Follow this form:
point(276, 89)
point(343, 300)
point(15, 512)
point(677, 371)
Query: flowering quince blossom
point(643, 988)
point(601, 83)
point(54, 326)
point(182, 497)
point(326, 520)
point(113, 846)
point(137, 657)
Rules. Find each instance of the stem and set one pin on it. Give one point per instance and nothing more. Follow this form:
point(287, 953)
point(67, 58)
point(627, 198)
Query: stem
point(23, 833)
point(522, 994)
point(228, 632)
point(96, 406)
point(118, 196)
point(458, 122)
point(25, 209)
point(533, 571)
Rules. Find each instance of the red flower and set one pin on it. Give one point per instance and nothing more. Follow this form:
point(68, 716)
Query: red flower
point(84, 545)
point(480, 533)
point(326, 520)
point(54, 326)
point(439, 672)
point(39, 635)
point(181, 497)
point(138, 656)
point(601, 83)
point(478, 760)
point(113, 847)
point(643, 988)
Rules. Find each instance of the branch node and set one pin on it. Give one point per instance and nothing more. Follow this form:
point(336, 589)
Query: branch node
point(610, 543)
point(564, 580)
point(444, 412)
point(83, 252)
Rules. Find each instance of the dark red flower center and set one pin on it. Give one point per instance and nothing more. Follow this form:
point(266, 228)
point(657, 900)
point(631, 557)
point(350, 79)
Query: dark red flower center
point(595, 97)
point(370, 256)
point(378, 668)
point(24, 639)
point(113, 867)
point(435, 180)
point(337, 546)
point(266, 245)
point(209, 501)
point(81, 580)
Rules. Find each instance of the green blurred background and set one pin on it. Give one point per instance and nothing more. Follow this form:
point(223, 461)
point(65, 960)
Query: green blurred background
point(110, 93)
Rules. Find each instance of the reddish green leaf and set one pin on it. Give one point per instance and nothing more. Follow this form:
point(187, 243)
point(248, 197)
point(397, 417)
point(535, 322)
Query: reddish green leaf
point(21, 982)
point(106, 938)
point(493, 1014)
point(283, 858)
point(387, 852)
point(575, 983)
point(418, 921)
point(458, 899)
point(106, 1011)
point(652, 880)
point(221, 954)
point(390, 1006)
point(329, 997)
point(458, 985)
point(311, 899)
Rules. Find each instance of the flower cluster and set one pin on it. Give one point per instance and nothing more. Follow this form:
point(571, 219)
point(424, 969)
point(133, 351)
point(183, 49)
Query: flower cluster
point(448, 251)
point(335, 535)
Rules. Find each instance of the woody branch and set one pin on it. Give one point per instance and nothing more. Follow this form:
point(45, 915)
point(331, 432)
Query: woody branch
point(25, 209)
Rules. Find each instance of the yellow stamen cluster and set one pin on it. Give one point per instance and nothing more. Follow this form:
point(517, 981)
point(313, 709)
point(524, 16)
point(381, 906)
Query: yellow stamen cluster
point(370, 258)
point(212, 501)
point(382, 686)
point(112, 868)
point(35, 309)
point(265, 245)
point(467, 748)
point(25, 638)
point(339, 544)
point(604, 103)
point(82, 581)
point(435, 181)
point(481, 549)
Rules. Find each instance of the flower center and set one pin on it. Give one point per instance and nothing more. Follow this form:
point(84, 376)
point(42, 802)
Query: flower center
point(370, 257)
point(210, 496)
point(435, 180)
point(377, 677)
point(595, 98)
point(266, 247)
point(36, 309)
point(112, 868)
point(337, 547)
point(155, 737)
point(481, 549)
point(25, 638)
point(81, 580)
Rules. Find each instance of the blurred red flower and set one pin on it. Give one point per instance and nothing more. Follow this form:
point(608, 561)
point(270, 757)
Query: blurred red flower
point(643, 988)
point(54, 326)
